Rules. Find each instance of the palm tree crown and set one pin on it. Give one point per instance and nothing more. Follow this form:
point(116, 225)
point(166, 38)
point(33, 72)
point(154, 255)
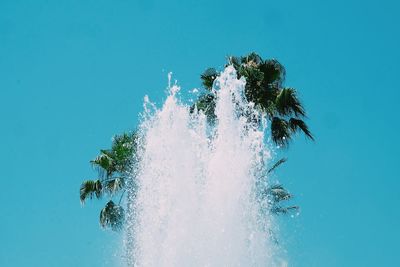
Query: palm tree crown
point(114, 167)
point(264, 88)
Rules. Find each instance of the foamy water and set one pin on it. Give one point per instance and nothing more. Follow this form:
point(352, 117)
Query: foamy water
point(195, 199)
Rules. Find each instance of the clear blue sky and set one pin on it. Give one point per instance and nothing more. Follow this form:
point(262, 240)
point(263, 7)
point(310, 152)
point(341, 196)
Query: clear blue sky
point(73, 73)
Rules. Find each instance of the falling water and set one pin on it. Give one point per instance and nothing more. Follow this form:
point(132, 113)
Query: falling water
point(194, 202)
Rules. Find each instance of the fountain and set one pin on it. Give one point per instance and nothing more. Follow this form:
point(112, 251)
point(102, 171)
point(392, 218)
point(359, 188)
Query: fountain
point(195, 201)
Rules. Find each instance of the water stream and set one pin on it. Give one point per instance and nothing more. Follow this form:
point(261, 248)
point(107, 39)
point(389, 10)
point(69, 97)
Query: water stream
point(195, 201)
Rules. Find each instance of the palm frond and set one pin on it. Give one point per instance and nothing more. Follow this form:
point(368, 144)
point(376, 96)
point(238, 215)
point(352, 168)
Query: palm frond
point(89, 189)
point(206, 103)
point(123, 142)
point(112, 216)
point(208, 77)
point(268, 107)
point(252, 59)
point(297, 124)
point(104, 162)
point(235, 62)
point(278, 193)
point(123, 149)
point(119, 157)
point(280, 131)
point(274, 73)
point(114, 185)
point(287, 103)
point(276, 164)
point(254, 78)
point(253, 75)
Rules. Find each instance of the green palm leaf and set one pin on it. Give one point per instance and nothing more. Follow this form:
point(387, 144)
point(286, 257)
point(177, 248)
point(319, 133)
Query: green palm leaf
point(274, 73)
point(89, 189)
point(287, 103)
point(297, 124)
point(252, 59)
point(254, 79)
point(235, 62)
point(278, 193)
point(112, 216)
point(276, 164)
point(104, 162)
point(114, 185)
point(124, 144)
point(208, 77)
point(253, 75)
point(206, 103)
point(119, 157)
point(280, 131)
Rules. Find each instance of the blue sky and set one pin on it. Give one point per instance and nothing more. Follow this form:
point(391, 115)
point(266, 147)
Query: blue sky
point(73, 73)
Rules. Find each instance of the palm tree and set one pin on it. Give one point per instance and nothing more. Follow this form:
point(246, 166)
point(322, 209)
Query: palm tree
point(264, 88)
point(274, 195)
point(114, 166)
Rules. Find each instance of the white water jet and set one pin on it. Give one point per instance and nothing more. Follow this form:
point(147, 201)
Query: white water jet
point(195, 203)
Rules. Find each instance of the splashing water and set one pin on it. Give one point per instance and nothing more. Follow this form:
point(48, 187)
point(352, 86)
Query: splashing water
point(195, 199)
